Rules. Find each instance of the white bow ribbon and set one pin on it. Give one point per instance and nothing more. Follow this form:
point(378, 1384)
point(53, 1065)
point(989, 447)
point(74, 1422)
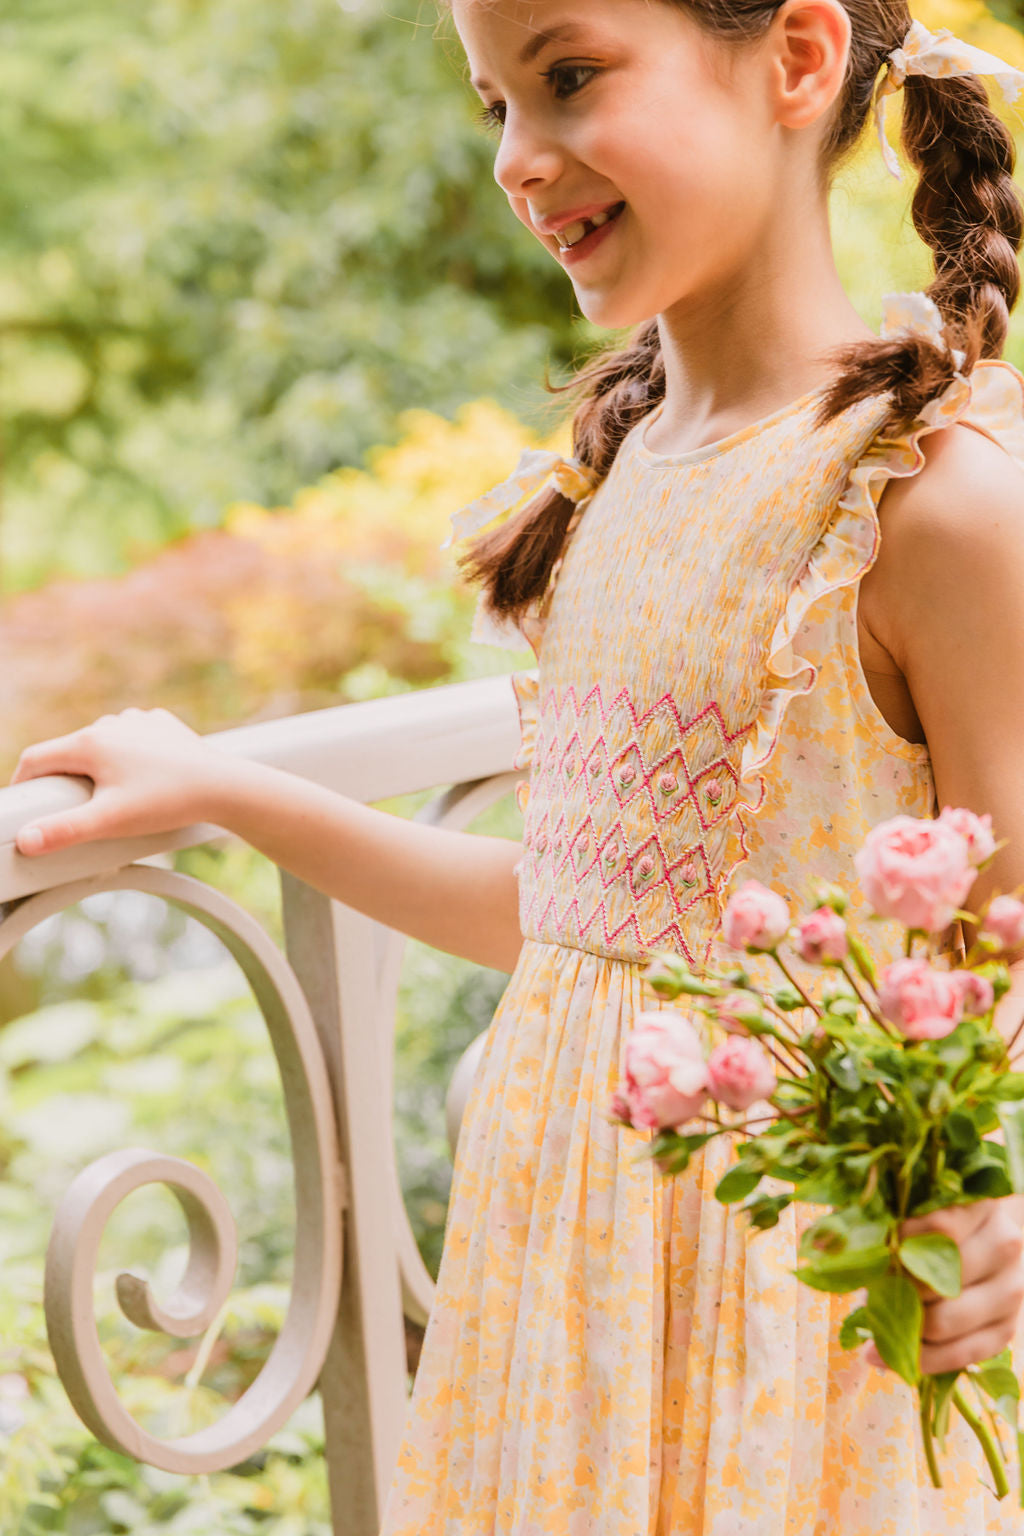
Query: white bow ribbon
point(531, 475)
point(537, 470)
point(940, 55)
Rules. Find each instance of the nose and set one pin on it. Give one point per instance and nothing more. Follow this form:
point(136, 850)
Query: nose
point(527, 157)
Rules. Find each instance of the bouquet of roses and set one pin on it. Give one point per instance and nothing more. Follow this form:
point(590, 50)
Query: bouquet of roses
point(883, 1094)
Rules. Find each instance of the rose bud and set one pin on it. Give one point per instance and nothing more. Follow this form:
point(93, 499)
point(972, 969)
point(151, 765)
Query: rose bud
point(618, 1110)
point(666, 1075)
point(976, 832)
point(755, 918)
point(977, 994)
point(821, 938)
point(916, 871)
point(924, 1003)
point(824, 894)
point(1004, 922)
point(740, 1072)
point(666, 974)
point(737, 1011)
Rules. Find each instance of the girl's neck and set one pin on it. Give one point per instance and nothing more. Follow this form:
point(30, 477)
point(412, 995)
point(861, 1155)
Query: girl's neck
point(755, 343)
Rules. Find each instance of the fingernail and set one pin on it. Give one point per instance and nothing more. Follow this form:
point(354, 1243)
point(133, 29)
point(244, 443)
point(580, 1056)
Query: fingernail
point(30, 840)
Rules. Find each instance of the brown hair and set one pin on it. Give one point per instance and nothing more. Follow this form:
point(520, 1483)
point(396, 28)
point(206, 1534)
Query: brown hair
point(966, 208)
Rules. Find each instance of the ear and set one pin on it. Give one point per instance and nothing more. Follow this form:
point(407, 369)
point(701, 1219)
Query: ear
point(810, 40)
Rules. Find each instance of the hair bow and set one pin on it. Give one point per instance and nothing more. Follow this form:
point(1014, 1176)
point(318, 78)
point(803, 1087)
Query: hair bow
point(537, 470)
point(940, 55)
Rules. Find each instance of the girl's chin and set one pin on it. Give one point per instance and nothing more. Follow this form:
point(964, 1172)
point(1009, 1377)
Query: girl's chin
point(612, 312)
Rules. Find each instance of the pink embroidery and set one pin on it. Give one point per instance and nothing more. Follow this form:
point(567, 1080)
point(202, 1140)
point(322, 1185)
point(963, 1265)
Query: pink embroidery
point(629, 858)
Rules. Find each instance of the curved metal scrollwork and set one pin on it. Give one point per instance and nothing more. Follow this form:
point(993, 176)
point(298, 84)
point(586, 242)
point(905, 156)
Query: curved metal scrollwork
point(455, 809)
point(298, 1354)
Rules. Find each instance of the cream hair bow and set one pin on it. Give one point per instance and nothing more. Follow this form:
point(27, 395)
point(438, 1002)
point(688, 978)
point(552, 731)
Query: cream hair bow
point(536, 471)
point(940, 55)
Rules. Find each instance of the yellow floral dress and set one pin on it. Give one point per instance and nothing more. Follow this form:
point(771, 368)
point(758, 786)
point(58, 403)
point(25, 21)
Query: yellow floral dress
point(612, 1354)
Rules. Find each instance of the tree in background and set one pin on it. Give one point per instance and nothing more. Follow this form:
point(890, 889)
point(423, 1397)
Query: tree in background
point(236, 239)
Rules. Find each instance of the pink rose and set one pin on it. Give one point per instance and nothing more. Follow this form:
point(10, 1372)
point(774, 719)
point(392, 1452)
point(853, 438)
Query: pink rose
point(976, 993)
point(821, 938)
point(917, 871)
point(976, 832)
point(740, 1072)
point(666, 1075)
point(925, 1004)
point(736, 1011)
point(755, 918)
point(1004, 921)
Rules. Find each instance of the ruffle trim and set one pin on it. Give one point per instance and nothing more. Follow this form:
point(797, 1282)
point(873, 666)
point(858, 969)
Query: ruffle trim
point(990, 400)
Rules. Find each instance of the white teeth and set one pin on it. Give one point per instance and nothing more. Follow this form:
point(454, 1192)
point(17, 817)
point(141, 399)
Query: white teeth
point(571, 234)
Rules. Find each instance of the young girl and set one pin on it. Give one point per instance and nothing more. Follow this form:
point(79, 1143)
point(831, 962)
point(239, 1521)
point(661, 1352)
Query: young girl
point(738, 677)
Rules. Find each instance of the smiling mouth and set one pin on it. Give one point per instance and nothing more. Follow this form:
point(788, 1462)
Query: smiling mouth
point(572, 234)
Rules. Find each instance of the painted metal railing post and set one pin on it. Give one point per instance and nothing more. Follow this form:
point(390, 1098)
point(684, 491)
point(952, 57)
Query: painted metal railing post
point(363, 1385)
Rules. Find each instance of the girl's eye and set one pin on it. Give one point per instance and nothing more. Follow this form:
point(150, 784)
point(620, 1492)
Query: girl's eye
point(567, 72)
point(492, 117)
point(566, 82)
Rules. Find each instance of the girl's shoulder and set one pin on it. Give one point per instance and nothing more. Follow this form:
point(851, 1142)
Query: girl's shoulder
point(957, 493)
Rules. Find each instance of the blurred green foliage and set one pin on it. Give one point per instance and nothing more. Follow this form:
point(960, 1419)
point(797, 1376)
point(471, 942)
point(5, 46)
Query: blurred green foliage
point(235, 241)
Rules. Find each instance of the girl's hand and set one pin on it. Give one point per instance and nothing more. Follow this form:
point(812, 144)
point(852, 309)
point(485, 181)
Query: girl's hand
point(982, 1320)
point(151, 772)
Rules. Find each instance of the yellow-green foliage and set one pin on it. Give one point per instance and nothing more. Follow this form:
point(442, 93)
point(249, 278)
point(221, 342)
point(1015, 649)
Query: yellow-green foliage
point(877, 249)
point(345, 594)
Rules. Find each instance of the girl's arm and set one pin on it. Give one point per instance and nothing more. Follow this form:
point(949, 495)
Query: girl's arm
point(946, 600)
point(455, 891)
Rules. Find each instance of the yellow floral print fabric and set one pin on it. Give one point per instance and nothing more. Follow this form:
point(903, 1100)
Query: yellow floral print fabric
point(611, 1354)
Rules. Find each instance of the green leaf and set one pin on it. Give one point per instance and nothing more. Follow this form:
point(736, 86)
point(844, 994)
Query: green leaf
point(787, 998)
point(737, 1184)
point(895, 1313)
point(997, 1379)
point(961, 1132)
point(988, 1181)
point(942, 1394)
point(935, 1259)
point(764, 1212)
point(1011, 1118)
point(854, 1329)
point(845, 1272)
point(844, 1071)
point(826, 1187)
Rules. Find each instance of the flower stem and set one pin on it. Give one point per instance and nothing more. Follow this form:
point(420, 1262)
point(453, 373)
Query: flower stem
point(988, 1445)
point(926, 1396)
point(784, 968)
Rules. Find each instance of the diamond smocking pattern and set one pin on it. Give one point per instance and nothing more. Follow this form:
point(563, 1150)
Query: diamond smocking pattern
point(629, 824)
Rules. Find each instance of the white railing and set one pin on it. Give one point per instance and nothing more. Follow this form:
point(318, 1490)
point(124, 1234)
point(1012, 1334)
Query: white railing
point(329, 1003)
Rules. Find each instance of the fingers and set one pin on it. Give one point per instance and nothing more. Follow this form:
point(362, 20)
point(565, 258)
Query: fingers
point(56, 832)
point(956, 1221)
point(996, 1246)
point(972, 1348)
point(63, 754)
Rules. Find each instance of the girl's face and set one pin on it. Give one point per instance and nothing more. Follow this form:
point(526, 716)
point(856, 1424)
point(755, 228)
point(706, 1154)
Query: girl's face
point(644, 155)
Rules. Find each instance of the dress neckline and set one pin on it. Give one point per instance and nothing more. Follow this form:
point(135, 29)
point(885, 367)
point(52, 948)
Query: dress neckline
point(712, 450)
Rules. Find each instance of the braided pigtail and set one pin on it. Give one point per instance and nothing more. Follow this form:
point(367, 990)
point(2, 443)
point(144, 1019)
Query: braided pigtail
point(514, 561)
point(968, 210)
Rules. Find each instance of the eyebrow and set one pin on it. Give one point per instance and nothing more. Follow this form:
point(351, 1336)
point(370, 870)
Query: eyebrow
point(568, 31)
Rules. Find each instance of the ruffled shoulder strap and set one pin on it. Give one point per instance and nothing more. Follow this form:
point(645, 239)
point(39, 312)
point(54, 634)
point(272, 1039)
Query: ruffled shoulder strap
point(538, 470)
point(990, 399)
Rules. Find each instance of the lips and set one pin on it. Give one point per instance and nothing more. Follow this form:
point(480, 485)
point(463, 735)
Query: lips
point(571, 234)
